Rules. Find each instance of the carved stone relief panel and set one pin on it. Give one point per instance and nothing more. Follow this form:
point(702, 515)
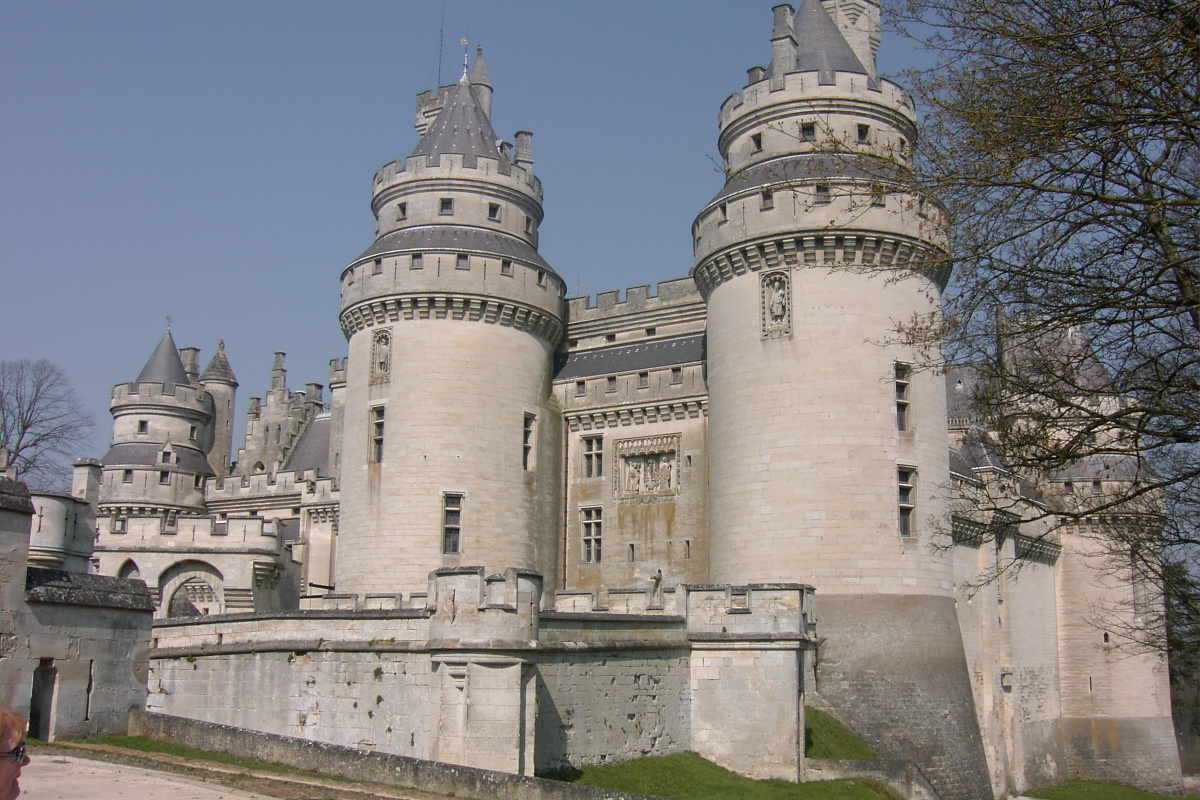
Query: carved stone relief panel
point(775, 289)
point(647, 469)
point(381, 356)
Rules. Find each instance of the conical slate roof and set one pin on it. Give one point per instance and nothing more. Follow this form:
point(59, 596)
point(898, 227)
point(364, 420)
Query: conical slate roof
point(164, 366)
point(218, 368)
point(461, 127)
point(820, 46)
point(479, 73)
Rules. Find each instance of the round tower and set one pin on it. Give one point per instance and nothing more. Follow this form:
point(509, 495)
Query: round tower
point(221, 383)
point(450, 446)
point(161, 437)
point(828, 453)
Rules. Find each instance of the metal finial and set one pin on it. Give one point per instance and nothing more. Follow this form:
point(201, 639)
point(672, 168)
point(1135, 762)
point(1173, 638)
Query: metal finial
point(463, 42)
point(168, 322)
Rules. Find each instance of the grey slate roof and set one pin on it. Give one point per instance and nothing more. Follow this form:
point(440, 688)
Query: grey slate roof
point(961, 385)
point(461, 127)
point(164, 366)
point(820, 46)
point(626, 357)
point(1104, 467)
point(479, 73)
point(218, 368)
point(146, 454)
point(312, 451)
point(809, 167)
point(78, 589)
point(456, 239)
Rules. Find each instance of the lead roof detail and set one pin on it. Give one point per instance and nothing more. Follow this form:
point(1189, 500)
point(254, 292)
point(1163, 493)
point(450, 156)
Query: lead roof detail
point(164, 366)
point(820, 46)
point(463, 128)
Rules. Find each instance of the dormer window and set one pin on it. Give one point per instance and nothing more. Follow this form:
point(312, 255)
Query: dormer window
point(165, 457)
point(446, 205)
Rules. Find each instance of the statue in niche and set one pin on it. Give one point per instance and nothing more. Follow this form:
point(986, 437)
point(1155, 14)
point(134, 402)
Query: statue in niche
point(776, 305)
point(633, 475)
point(381, 356)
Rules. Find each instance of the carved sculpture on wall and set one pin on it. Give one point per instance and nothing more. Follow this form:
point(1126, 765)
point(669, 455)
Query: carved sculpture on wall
point(776, 292)
point(381, 356)
point(647, 469)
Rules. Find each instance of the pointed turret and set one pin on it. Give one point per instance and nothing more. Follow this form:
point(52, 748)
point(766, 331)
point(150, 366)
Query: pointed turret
point(462, 128)
point(219, 380)
point(820, 45)
point(164, 366)
point(218, 368)
point(481, 85)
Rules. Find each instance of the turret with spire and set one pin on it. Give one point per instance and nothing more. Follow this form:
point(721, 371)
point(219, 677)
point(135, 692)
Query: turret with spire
point(162, 434)
point(454, 273)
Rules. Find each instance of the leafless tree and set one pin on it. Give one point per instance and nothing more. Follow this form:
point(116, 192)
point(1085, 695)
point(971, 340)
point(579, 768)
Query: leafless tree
point(42, 423)
point(1064, 138)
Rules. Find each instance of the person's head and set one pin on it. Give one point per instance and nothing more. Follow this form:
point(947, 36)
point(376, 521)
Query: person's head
point(12, 752)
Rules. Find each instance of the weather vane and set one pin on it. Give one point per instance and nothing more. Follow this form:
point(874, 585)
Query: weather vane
point(463, 42)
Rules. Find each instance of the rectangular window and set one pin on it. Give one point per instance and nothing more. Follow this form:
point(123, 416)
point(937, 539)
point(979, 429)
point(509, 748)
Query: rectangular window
point(610, 383)
point(541, 277)
point(377, 267)
point(376, 447)
point(143, 426)
point(198, 481)
point(592, 524)
point(192, 432)
point(446, 205)
point(451, 522)
point(506, 267)
point(593, 456)
point(878, 196)
point(529, 225)
point(418, 260)
point(643, 380)
point(864, 134)
point(119, 525)
point(821, 193)
point(676, 374)
point(723, 212)
point(808, 131)
point(164, 457)
point(164, 477)
point(462, 262)
point(906, 479)
point(494, 212)
point(527, 441)
point(903, 372)
point(580, 388)
point(126, 476)
point(651, 331)
point(768, 200)
point(401, 211)
point(756, 143)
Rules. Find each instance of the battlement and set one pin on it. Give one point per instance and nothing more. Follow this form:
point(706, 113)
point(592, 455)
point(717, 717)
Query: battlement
point(804, 87)
point(310, 487)
point(498, 169)
point(337, 371)
point(146, 393)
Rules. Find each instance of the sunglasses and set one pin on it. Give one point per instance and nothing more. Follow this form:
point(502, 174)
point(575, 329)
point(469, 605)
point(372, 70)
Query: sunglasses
point(17, 752)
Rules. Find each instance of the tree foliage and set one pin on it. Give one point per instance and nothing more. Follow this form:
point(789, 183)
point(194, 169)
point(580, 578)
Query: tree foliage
point(42, 423)
point(1064, 138)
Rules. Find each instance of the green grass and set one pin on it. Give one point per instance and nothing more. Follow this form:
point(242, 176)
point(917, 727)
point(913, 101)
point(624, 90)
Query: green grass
point(687, 776)
point(153, 746)
point(825, 737)
point(1090, 790)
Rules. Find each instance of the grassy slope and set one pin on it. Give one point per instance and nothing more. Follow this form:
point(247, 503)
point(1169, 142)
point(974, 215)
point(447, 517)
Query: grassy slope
point(1089, 790)
point(825, 737)
point(687, 776)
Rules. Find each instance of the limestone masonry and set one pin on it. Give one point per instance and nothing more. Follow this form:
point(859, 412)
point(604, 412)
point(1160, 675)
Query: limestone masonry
point(523, 532)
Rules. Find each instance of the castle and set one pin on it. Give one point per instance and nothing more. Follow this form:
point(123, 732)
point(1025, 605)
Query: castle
point(524, 531)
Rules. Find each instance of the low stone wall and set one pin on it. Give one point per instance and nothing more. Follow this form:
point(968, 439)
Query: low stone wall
point(904, 776)
point(356, 765)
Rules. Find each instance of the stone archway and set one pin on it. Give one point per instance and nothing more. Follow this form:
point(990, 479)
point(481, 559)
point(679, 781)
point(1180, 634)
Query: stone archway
point(191, 589)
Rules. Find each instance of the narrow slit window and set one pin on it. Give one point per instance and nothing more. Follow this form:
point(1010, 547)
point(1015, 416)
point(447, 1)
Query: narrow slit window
point(451, 522)
point(903, 373)
point(527, 436)
point(906, 481)
point(377, 413)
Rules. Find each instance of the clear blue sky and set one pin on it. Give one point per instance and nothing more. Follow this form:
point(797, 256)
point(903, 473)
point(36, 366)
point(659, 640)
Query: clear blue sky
point(212, 161)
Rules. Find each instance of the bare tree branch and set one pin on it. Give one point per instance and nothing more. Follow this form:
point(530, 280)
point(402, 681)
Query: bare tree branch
point(42, 423)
